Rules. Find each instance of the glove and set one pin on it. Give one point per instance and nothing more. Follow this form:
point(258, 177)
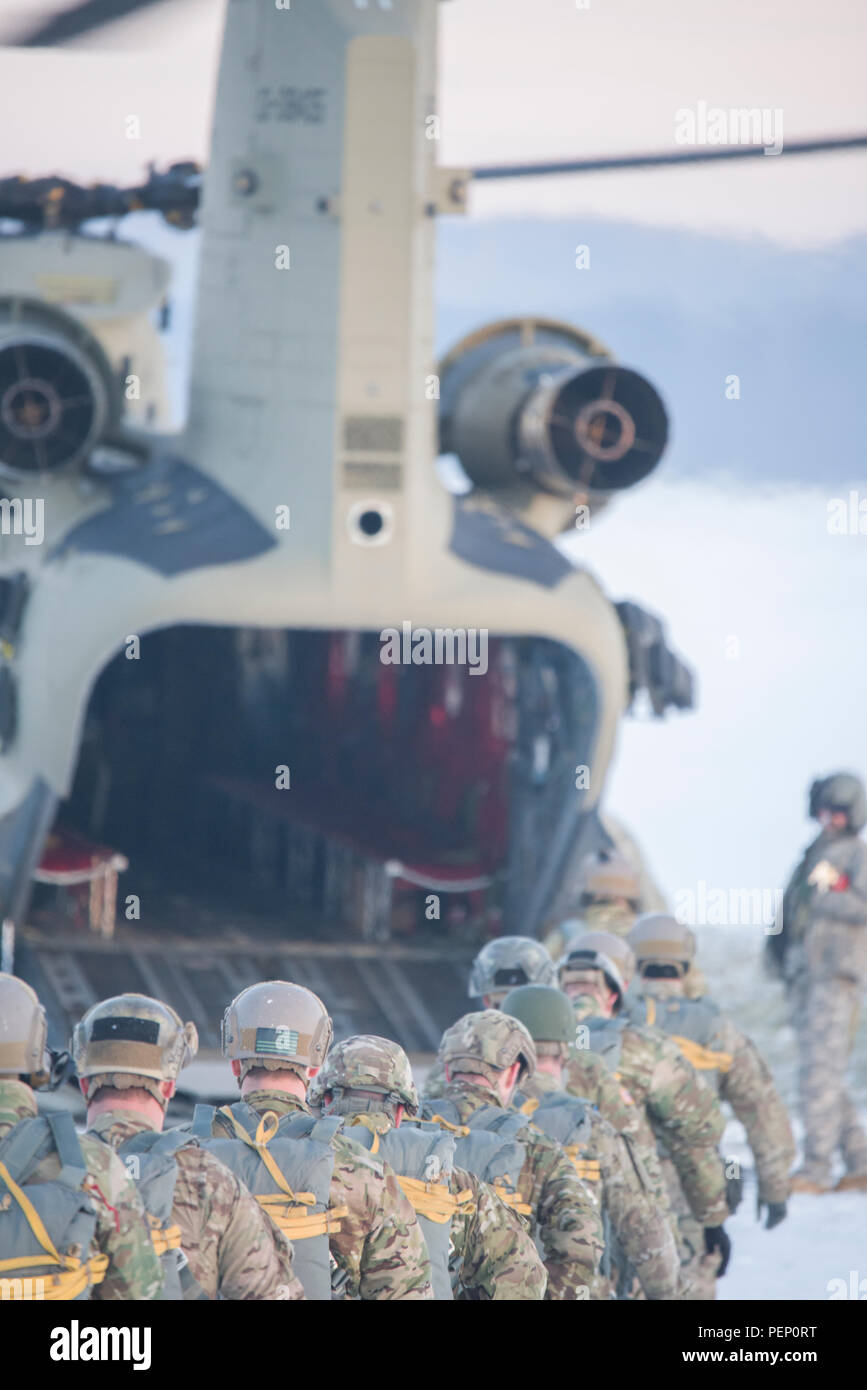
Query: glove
point(717, 1242)
point(776, 1213)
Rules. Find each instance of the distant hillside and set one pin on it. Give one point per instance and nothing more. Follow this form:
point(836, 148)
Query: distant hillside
point(689, 310)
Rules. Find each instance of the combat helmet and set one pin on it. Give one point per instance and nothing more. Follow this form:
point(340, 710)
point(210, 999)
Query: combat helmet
point(366, 1063)
point(23, 1032)
point(612, 877)
point(575, 964)
point(487, 1043)
point(547, 1015)
point(278, 1026)
point(132, 1041)
point(617, 948)
point(841, 791)
point(509, 961)
point(659, 939)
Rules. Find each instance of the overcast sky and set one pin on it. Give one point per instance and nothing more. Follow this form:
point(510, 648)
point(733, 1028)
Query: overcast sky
point(519, 79)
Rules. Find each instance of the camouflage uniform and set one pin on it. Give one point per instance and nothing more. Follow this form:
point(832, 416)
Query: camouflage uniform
point(821, 951)
point(489, 1244)
point(233, 1250)
point(564, 1221)
point(379, 1247)
point(122, 1233)
point(746, 1083)
point(640, 1226)
point(683, 1113)
point(643, 1240)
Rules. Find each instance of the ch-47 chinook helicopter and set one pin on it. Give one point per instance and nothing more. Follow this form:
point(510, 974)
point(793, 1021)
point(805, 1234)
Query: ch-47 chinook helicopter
point(192, 657)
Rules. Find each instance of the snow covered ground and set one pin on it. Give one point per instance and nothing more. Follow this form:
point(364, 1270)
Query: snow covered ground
point(823, 1239)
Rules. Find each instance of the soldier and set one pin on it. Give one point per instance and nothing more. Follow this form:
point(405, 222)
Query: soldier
point(501, 965)
point(342, 1207)
point(484, 1056)
point(66, 1202)
point(475, 1242)
point(214, 1239)
point(820, 949)
point(604, 1158)
point(684, 1113)
point(723, 1056)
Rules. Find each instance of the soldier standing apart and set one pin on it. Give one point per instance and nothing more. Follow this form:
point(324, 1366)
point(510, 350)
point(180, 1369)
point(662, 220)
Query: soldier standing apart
point(721, 1054)
point(479, 1249)
point(67, 1202)
point(214, 1240)
point(605, 1159)
point(343, 1208)
point(485, 1055)
point(820, 949)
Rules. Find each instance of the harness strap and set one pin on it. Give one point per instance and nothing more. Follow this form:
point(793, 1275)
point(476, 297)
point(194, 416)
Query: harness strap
point(73, 1169)
point(296, 1222)
point(367, 1123)
point(649, 1010)
point(265, 1132)
point(74, 1273)
point(585, 1167)
point(460, 1130)
point(530, 1106)
point(164, 1238)
point(512, 1199)
point(21, 1146)
point(434, 1200)
point(203, 1119)
point(703, 1058)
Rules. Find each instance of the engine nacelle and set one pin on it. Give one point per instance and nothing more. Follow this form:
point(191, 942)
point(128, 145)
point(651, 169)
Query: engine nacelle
point(531, 405)
point(58, 394)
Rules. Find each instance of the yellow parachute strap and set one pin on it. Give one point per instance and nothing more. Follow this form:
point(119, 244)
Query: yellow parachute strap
point(76, 1274)
point(460, 1130)
point(584, 1167)
point(650, 1009)
point(299, 1224)
point(264, 1134)
point(702, 1058)
point(164, 1238)
point(434, 1200)
point(370, 1124)
point(530, 1106)
point(512, 1199)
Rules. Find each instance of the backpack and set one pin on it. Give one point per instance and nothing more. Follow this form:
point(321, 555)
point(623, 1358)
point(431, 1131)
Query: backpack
point(694, 1025)
point(487, 1146)
point(155, 1174)
point(287, 1167)
point(423, 1158)
point(566, 1120)
point(606, 1040)
point(41, 1221)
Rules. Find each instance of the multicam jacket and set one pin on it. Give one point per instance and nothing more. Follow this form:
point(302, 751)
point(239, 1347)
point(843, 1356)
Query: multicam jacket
point(379, 1247)
point(234, 1251)
point(122, 1231)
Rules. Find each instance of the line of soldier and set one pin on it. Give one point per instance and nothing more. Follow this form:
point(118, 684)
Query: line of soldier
point(567, 1145)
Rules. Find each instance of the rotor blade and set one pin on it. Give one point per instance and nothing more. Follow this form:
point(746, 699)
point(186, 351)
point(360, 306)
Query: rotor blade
point(646, 161)
point(74, 24)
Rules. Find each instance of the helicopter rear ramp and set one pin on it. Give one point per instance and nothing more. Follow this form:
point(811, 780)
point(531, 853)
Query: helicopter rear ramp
point(409, 993)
